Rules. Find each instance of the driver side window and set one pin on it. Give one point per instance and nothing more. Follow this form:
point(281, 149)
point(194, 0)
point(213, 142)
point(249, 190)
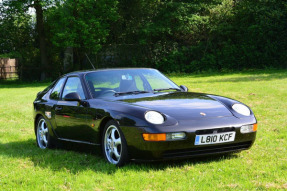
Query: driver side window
point(73, 84)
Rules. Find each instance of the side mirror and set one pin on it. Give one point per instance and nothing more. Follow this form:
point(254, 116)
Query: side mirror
point(74, 96)
point(184, 88)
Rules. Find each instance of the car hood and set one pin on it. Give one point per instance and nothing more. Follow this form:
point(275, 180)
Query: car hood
point(182, 105)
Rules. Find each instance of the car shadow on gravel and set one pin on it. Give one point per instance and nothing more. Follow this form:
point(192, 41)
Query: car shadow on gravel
point(75, 158)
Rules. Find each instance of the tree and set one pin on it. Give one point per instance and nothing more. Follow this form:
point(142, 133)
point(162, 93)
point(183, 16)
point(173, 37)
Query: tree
point(16, 31)
point(23, 6)
point(81, 24)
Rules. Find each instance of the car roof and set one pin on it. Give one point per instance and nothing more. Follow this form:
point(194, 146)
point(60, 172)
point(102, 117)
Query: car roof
point(105, 69)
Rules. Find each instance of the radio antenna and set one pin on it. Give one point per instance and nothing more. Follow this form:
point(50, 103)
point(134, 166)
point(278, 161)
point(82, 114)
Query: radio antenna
point(90, 61)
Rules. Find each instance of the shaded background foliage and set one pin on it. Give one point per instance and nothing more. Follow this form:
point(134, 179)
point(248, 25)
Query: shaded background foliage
point(173, 36)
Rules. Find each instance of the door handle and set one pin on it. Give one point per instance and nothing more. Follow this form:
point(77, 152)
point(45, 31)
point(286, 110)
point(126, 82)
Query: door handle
point(58, 108)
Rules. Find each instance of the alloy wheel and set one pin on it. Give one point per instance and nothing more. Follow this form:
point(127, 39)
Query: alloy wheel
point(42, 134)
point(113, 144)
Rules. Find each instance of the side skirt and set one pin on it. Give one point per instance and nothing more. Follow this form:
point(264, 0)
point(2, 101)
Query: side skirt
point(75, 141)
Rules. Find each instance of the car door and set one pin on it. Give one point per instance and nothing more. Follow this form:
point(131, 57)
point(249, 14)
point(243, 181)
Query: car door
point(71, 117)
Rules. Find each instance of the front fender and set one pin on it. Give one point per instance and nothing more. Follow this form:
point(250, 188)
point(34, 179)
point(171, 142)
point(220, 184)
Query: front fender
point(125, 119)
point(227, 102)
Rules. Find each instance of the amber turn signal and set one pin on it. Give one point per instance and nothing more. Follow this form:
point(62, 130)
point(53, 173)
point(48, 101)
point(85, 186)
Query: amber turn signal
point(255, 127)
point(154, 137)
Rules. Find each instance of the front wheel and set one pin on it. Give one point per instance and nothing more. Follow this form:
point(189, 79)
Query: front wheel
point(43, 138)
point(114, 144)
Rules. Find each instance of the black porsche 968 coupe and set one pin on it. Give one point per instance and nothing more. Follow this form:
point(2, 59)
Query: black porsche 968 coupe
point(139, 114)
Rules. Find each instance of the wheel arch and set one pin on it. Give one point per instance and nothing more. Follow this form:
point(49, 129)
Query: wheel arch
point(48, 122)
point(102, 126)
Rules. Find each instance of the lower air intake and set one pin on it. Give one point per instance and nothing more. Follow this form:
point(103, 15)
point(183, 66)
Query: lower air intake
point(207, 150)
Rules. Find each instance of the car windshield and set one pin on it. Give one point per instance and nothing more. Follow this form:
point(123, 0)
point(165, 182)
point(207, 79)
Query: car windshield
point(120, 82)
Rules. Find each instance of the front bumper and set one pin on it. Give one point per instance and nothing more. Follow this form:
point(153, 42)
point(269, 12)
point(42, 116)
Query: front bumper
point(144, 150)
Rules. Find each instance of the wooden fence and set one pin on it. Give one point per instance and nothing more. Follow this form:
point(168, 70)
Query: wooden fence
point(8, 68)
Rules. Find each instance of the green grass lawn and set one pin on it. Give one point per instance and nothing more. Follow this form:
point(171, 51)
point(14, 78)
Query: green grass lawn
point(23, 166)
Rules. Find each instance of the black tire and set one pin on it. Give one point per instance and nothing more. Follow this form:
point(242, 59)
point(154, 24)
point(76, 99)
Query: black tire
point(114, 145)
point(43, 137)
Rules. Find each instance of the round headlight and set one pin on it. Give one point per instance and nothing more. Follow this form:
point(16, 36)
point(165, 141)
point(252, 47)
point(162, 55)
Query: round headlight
point(241, 109)
point(154, 117)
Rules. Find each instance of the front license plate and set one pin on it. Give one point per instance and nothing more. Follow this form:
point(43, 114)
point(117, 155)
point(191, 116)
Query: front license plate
point(214, 138)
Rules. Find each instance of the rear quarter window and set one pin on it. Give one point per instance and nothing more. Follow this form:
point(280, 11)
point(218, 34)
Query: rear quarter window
point(57, 89)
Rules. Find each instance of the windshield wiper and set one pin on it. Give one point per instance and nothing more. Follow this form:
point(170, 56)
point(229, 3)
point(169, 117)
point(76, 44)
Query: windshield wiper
point(164, 89)
point(131, 92)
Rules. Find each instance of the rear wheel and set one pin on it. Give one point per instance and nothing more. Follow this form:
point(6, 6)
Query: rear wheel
point(114, 144)
point(43, 137)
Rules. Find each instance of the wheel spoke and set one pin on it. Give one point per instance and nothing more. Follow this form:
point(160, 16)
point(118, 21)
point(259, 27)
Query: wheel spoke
point(46, 130)
point(117, 155)
point(45, 140)
point(110, 153)
point(43, 126)
point(118, 141)
point(113, 134)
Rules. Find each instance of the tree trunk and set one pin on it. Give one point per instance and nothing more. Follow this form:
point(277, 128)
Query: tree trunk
point(68, 59)
point(41, 38)
point(78, 57)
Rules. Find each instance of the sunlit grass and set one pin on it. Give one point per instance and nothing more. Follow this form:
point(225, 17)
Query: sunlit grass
point(25, 167)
